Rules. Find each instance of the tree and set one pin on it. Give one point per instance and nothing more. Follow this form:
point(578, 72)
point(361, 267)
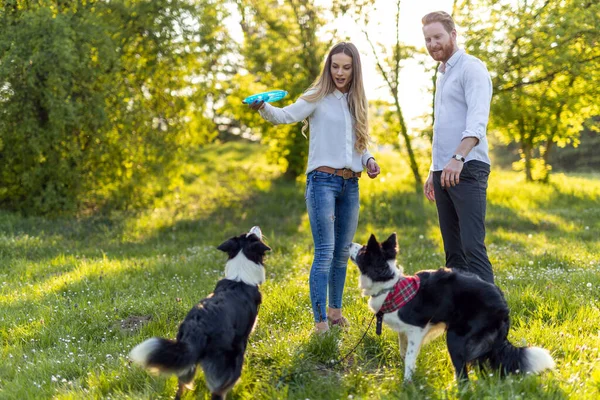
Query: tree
point(389, 63)
point(584, 157)
point(383, 123)
point(545, 61)
point(98, 97)
point(282, 49)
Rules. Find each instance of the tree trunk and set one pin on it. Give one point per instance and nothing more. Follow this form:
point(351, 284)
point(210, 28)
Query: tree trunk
point(434, 84)
point(411, 155)
point(550, 139)
point(546, 158)
point(526, 149)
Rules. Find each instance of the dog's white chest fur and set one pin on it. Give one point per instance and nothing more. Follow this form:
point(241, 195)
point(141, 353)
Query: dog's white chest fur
point(241, 269)
point(411, 337)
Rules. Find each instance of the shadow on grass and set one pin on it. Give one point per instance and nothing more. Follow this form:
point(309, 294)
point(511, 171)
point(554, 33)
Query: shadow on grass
point(503, 217)
point(279, 212)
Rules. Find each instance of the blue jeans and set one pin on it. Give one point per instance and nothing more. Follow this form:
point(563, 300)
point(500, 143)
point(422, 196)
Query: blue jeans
point(332, 204)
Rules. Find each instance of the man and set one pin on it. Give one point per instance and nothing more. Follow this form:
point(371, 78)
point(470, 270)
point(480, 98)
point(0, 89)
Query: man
point(460, 167)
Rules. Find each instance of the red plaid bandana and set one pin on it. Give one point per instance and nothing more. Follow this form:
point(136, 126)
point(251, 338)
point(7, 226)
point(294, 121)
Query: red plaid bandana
point(404, 290)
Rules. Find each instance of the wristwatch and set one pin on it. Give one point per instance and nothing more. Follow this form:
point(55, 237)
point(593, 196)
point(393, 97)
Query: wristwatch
point(458, 157)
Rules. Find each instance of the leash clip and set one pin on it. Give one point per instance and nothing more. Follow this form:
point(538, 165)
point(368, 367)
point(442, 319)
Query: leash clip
point(379, 316)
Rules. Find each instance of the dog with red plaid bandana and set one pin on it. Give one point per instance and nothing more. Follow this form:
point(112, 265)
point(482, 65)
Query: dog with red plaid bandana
point(420, 308)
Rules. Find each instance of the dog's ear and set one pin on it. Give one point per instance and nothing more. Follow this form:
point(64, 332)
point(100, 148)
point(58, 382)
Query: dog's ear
point(230, 247)
point(390, 246)
point(259, 247)
point(373, 244)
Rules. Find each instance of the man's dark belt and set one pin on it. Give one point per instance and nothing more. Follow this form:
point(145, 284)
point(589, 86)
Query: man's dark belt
point(343, 172)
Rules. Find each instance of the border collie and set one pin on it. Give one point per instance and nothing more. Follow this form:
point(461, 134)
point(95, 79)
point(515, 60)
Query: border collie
point(473, 313)
point(215, 332)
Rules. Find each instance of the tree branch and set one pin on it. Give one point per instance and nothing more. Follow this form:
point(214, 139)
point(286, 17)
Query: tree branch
point(549, 76)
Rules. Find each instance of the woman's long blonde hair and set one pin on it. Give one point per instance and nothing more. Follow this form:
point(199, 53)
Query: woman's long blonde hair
point(357, 100)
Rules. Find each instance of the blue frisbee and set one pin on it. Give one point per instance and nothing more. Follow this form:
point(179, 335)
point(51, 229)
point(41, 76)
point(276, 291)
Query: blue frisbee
point(267, 97)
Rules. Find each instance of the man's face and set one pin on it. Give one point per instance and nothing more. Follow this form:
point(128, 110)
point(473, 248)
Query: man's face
point(440, 43)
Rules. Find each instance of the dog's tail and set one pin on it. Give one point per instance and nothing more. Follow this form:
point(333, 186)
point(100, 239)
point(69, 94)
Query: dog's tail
point(166, 356)
point(511, 359)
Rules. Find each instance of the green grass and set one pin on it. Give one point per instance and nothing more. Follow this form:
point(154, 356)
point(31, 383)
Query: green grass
point(76, 294)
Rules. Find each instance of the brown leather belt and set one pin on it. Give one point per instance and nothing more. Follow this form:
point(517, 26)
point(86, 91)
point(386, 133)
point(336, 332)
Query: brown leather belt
point(343, 172)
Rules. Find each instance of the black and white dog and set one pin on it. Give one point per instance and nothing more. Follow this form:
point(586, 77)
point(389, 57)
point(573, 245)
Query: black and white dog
point(215, 332)
point(474, 313)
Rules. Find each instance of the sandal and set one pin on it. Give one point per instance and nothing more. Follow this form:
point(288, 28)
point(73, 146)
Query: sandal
point(321, 331)
point(342, 322)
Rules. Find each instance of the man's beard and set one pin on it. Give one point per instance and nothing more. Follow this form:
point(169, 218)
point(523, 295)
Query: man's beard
point(446, 53)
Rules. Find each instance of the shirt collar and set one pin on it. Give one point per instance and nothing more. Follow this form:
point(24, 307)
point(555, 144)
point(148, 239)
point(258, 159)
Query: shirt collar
point(455, 57)
point(451, 61)
point(338, 94)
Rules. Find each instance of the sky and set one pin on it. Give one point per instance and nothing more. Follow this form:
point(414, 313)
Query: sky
point(415, 82)
point(415, 98)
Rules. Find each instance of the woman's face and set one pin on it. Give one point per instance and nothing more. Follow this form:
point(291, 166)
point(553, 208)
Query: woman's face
point(341, 71)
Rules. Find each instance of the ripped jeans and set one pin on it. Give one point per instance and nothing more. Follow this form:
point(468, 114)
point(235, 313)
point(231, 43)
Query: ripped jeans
point(332, 204)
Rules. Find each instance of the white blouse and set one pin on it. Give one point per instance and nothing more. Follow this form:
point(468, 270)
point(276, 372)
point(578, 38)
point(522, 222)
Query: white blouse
point(332, 135)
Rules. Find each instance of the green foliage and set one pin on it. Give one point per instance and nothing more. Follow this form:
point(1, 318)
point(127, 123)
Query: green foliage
point(545, 61)
point(98, 98)
point(383, 123)
point(584, 157)
point(389, 64)
point(76, 294)
point(581, 157)
point(282, 49)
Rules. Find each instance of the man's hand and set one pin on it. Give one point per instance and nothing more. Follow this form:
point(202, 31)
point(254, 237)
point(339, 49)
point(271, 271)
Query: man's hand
point(372, 168)
point(451, 173)
point(428, 188)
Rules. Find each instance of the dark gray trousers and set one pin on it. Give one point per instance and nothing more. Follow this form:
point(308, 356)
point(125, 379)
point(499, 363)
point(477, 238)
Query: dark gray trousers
point(461, 212)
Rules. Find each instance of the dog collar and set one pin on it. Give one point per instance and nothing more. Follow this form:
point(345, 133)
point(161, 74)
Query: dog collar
point(400, 294)
point(382, 292)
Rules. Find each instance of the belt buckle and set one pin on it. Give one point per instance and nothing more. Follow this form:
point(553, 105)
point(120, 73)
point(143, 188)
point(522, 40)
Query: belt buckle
point(347, 173)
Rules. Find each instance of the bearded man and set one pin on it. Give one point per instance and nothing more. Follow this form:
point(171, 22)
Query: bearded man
point(460, 167)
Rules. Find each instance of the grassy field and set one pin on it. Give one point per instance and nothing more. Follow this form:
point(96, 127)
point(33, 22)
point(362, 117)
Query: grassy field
point(77, 294)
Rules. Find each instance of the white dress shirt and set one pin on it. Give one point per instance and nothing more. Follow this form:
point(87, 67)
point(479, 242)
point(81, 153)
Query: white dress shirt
point(462, 108)
point(331, 126)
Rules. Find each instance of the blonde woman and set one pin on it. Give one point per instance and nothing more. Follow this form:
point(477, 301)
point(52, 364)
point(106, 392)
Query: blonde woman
point(336, 109)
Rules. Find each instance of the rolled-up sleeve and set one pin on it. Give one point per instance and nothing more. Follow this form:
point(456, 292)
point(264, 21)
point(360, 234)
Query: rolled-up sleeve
point(365, 157)
point(478, 95)
point(296, 112)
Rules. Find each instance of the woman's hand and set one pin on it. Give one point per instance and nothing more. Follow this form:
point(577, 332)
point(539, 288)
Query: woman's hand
point(372, 168)
point(256, 105)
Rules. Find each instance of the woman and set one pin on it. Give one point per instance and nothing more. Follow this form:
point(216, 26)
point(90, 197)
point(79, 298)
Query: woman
point(336, 108)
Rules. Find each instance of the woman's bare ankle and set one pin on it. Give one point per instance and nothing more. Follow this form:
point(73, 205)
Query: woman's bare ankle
point(334, 313)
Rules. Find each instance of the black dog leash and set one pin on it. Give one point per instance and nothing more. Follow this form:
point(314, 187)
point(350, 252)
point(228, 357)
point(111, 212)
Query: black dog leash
point(378, 331)
point(379, 316)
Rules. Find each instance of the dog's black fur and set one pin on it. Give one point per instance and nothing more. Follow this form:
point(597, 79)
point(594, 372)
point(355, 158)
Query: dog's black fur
point(215, 332)
point(474, 313)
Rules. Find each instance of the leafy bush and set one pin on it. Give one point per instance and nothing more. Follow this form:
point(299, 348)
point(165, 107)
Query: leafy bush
point(98, 98)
